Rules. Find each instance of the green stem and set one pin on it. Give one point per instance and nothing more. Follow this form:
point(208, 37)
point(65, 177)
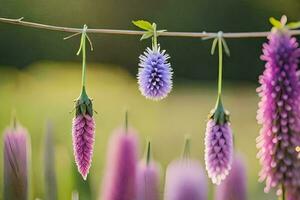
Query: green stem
point(148, 152)
point(283, 192)
point(82, 49)
point(154, 38)
point(220, 66)
point(186, 149)
point(126, 121)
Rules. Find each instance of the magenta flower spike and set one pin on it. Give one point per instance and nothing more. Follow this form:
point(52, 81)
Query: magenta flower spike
point(278, 112)
point(218, 135)
point(16, 163)
point(234, 187)
point(185, 179)
point(148, 176)
point(83, 127)
point(119, 182)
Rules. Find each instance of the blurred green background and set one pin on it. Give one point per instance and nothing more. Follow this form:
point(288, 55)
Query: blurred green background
point(40, 77)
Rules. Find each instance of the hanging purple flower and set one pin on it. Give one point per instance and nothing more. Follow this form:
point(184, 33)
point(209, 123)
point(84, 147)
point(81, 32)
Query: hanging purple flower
point(155, 74)
point(279, 111)
point(120, 176)
point(234, 187)
point(218, 135)
point(16, 161)
point(148, 175)
point(83, 126)
point(218, 150)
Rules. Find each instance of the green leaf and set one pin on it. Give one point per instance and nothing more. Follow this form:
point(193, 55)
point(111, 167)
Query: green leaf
point(276, 23)
point(145, 25)
point(147, 35)
point(293, 25)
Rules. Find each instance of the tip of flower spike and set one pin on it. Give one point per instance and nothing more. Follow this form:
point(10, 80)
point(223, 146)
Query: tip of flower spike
point(187, 147)
point(148, 152)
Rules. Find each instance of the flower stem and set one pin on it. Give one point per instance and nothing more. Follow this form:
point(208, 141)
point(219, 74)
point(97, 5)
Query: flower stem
point(186, 149)
point(220, 66)
point(126, 121)
point(283, 192)
point(82, 49)
point(148, 153)
point(154, 38)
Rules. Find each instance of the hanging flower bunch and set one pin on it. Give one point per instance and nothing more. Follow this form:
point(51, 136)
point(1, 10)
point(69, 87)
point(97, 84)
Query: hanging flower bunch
point(155, 72)
point(218, 136)
point(83, 130)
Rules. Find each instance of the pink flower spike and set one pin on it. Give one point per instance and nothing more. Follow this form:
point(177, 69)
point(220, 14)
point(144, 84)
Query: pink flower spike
point(119, 182)
point(234, 187)
point(185, 180)
point(148, 176)
point(83, 142)
point(16, 163)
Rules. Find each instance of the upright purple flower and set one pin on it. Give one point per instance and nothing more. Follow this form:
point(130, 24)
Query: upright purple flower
point(155, 74)
point(234, 187)
point(148, 178)
point(120, 176)
point(218, 150)
point(185, 180)
point(279, 111)
point(16, 161)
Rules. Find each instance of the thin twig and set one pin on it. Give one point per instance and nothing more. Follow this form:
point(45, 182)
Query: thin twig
point(131, 32)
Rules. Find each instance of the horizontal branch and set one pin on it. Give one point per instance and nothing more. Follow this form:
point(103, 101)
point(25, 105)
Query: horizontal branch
point(131, 32)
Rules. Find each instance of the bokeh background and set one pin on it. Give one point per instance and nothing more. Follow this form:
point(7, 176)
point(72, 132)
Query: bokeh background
point(40, 77)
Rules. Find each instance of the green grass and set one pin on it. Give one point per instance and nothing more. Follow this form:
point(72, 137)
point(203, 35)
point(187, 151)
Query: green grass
point(46, 92)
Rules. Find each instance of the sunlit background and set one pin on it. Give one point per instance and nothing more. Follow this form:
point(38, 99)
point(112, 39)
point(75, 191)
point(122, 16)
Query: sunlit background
point(40, 76)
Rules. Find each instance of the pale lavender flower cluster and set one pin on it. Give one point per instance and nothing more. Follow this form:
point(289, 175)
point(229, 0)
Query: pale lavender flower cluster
point(148, 180)
point(16, 163)
point(120, 178)
point(218, 150)
point(234, 187)
point(83, 142)
point(155, 74)
point(279, 112)
point(185, 180)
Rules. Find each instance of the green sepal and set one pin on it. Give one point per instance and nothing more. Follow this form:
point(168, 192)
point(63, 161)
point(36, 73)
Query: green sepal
point(84, 104)
point(219, 114)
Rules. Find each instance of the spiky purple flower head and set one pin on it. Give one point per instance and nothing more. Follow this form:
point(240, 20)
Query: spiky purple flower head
point(234, 187)
point(155, 74)
point(120, 176)
point(83, 134)
point(218, 148)
point(185, 179)
point(279, 111)
point(148, 176)
point(16, 163)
